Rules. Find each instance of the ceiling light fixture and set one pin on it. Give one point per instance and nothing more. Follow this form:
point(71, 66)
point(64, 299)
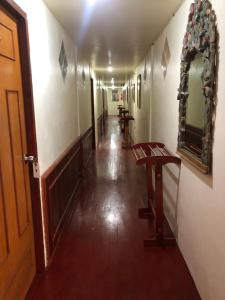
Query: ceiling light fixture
point(91, 2)
point(110, 69)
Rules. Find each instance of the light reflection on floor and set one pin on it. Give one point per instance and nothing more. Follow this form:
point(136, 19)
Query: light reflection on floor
point(112, 167)
point(112, 218)
point(113, 145)
point(114, 141)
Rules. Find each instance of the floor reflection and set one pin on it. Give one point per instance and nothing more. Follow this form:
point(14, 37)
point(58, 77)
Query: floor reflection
point(113, 144)
point(112, 218)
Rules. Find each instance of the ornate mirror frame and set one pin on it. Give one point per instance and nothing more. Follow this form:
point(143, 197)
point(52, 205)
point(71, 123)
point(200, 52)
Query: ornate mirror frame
point(200, 37)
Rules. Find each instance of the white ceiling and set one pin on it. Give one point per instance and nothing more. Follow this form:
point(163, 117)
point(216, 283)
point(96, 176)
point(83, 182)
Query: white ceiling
point(120, 29)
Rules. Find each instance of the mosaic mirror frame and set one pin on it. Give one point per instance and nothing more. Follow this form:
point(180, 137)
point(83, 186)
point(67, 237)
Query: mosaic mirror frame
point(200, 38)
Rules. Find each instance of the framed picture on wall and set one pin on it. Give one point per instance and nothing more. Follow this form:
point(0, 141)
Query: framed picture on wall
point(165, 57)
point(145, 72)
point(133, 91)
point(139, 91)
point(63, 61)
point(115, 96)
point(124, 95)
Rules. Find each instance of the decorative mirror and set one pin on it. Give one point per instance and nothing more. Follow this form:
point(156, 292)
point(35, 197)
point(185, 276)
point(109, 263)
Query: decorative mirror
point(197, 86)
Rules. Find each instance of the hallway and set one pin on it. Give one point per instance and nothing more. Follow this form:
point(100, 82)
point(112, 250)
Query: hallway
point(70, 195)
point(101, 254)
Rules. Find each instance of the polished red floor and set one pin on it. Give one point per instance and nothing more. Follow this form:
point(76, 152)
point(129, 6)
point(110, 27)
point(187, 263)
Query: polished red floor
point(101, 254)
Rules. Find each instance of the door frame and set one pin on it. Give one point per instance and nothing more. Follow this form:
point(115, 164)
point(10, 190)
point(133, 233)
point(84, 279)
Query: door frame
point(14, 10)
point(93, 114)
point(103, 107)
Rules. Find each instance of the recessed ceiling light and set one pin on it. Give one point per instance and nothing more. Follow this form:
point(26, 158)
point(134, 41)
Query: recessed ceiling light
point(110, 69)
point(91, 2)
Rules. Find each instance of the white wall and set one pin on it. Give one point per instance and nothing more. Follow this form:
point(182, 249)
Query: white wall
point(84, 96)
point(200, 215)
point(55, 101)
point(98, 102)
point(140, 129)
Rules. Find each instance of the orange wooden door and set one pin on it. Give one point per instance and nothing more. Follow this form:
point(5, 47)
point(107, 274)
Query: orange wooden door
point(17, 258)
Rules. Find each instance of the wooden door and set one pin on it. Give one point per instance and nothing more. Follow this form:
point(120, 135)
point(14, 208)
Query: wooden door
point(17, 258)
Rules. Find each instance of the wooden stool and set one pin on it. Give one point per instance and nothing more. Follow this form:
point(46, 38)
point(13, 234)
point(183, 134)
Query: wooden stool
point(120, 108)
point(124, 113)
point(126, 143)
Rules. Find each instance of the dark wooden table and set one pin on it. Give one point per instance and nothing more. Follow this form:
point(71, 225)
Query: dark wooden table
point(126, 120)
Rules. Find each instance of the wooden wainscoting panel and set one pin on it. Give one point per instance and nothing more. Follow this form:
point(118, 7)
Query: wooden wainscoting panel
point(59, 184)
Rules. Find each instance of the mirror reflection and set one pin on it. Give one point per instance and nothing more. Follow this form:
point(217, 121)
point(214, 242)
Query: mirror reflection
point(195, 103)
point(195, 107)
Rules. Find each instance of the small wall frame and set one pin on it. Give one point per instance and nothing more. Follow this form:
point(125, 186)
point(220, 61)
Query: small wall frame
point(133, 91)
point(200, 39)
point(139, 91)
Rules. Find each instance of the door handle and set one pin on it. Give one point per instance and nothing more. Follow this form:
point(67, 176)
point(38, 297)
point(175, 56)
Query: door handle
point(29, 158)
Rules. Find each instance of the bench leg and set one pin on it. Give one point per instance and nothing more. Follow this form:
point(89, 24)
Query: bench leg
point(159, 239)
point(146, 213)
